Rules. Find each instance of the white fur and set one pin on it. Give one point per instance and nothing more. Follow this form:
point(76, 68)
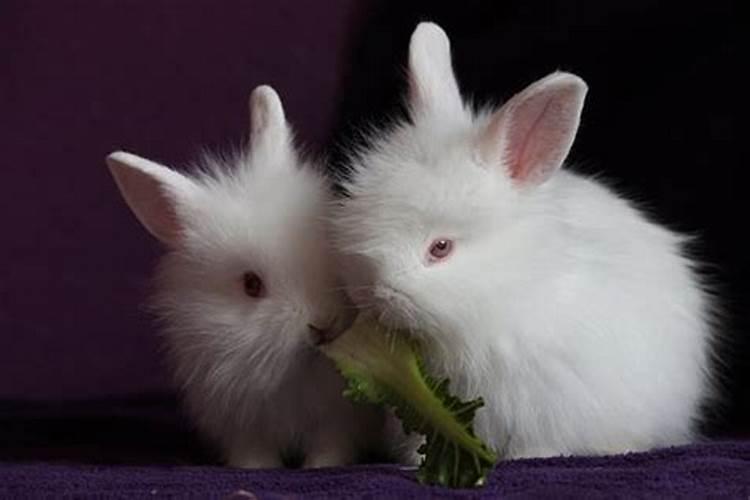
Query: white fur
point(251, 376)
point(579, 320)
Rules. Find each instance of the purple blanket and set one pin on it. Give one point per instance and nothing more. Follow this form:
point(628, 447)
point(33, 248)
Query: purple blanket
point(720, 469)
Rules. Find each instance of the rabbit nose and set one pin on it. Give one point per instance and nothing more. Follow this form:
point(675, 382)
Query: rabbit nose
point(324, 334)
point(320, 335)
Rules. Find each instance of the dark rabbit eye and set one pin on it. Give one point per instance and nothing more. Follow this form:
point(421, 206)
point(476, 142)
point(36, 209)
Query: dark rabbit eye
point(440, 249)
point(253, 285)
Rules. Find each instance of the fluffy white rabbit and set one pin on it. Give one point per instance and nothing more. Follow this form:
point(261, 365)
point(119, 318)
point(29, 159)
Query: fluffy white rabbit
point(245, 291)
point(580, 321)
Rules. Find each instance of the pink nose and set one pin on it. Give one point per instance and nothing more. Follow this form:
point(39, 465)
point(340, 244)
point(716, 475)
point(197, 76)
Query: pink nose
point(320, 335)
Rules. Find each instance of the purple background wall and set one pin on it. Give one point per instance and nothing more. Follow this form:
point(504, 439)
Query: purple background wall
point(79, 79)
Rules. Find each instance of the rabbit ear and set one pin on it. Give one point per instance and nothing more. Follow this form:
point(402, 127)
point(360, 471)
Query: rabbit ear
point(153, 192)
point(432, 85)
point(268, 128)
point(531, 135)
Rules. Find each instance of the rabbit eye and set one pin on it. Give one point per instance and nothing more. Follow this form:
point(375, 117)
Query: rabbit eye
point(253, 285)
point(440, 249)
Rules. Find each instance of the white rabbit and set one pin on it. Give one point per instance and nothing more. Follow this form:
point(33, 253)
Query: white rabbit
point(245, 291)
point(581, 322)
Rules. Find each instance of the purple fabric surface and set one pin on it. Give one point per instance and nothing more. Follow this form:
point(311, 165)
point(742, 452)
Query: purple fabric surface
point(81, 78)
point(719, 469)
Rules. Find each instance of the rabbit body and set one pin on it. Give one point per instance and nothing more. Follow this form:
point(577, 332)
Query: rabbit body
point(581, 322)
point(245, 291)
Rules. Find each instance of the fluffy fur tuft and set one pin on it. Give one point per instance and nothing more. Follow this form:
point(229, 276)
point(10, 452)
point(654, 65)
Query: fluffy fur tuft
point(581, 322)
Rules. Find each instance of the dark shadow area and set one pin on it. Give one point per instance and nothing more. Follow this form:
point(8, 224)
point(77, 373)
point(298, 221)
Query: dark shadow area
point(135, 431)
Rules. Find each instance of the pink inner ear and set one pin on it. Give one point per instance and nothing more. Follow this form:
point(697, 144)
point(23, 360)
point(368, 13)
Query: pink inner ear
point(536, 128)
point(531, 139)
point(151, 204)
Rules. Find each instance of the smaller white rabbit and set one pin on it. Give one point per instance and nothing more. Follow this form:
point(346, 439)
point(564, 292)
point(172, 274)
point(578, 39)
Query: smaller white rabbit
point(246, 291)
point(579, 320)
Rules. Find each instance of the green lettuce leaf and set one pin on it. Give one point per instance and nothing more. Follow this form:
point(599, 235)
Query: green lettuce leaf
point(385, 367)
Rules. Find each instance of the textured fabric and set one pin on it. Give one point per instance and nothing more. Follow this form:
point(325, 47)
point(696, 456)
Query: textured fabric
point(715, 470)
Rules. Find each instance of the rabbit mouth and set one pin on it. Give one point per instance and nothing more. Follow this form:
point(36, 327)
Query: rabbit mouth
point(395, 309)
